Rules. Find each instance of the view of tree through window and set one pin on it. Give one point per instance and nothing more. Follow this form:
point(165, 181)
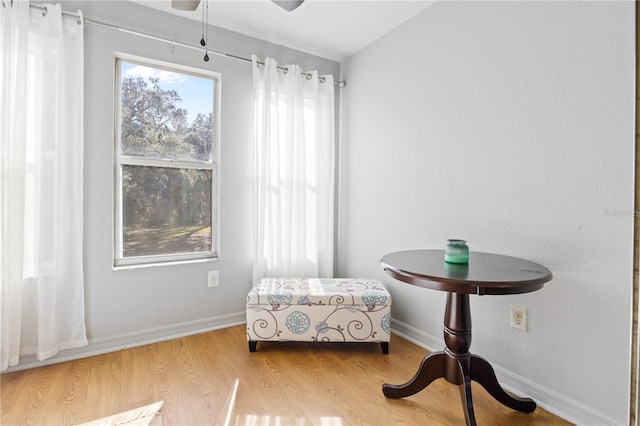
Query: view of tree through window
point(165, 163)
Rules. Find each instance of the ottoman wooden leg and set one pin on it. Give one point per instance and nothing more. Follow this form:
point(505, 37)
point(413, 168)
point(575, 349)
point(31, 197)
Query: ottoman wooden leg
point(385, 347)
point(252, 345)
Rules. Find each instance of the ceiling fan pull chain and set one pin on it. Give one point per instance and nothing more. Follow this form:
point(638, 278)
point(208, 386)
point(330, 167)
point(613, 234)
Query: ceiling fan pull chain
point(203, 43)
point(206, 30)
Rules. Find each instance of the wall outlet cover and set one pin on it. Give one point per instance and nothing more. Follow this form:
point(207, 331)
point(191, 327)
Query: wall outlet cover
point(518, 318)
point(213, 279)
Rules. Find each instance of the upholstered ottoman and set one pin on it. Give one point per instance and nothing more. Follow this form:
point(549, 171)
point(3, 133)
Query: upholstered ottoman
point(319, 310)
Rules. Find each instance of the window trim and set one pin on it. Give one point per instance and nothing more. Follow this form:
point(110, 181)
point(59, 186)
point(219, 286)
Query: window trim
point(119, 260)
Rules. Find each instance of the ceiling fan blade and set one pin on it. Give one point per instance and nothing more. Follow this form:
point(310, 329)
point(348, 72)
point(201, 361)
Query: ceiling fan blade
point(288, 5)
point(185, 4)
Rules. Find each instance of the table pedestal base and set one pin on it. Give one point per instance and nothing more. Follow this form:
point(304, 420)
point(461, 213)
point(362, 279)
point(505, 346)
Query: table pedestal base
point(457, 365)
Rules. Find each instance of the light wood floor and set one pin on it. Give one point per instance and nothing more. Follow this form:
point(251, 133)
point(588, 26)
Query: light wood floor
point(212, 378)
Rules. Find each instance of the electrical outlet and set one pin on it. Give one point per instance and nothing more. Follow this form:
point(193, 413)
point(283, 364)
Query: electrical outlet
point(519, 318)
point(213, 279)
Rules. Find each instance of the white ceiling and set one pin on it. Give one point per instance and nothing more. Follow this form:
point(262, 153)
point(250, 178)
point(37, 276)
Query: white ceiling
point(332, 29)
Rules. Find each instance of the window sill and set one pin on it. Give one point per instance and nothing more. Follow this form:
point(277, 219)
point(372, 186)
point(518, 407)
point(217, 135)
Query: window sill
point(166, 263)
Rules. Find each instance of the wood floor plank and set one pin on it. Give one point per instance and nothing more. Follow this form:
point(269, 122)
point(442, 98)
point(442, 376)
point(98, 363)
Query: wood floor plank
point(76, 390)
point(13, 386)
point(212, 378)
point(45, 393)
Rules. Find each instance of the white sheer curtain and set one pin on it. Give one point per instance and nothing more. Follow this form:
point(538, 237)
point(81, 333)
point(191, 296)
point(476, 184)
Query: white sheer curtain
point(41, 111)
point(294, 162)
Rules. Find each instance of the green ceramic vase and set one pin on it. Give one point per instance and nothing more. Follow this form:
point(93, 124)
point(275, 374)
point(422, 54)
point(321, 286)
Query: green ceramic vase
point(456, 251)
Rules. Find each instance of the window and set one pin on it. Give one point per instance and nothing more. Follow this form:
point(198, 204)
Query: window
point(166, 170)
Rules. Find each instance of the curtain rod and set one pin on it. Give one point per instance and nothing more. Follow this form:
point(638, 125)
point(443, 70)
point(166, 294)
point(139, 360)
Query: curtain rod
point(72, 15)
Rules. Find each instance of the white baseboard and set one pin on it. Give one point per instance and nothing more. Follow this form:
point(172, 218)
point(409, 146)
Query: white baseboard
point(548, 399)
point(147, 336)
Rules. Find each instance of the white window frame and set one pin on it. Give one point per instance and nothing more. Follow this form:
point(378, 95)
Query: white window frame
point(121, 160)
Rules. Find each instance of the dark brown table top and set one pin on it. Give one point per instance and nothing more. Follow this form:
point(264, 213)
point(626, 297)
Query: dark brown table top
point(485, 273)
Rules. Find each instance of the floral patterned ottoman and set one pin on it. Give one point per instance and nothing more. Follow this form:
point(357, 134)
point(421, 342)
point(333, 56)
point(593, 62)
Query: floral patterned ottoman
point(319, 310)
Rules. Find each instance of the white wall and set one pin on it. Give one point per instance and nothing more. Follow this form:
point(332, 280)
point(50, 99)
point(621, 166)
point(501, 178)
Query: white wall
point(126, 307)
point(511, 125)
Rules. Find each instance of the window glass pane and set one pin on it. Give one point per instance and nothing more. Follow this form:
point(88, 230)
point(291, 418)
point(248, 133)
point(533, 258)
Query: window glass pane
point(165, 114)
point(166, 210)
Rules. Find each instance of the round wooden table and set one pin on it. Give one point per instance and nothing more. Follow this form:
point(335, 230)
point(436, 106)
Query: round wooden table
point(485, 273)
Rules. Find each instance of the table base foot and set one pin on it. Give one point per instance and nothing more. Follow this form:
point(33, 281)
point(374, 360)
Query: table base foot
point(431, 368)
point(465, 391)
point(483, 373)
point(470, 368)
